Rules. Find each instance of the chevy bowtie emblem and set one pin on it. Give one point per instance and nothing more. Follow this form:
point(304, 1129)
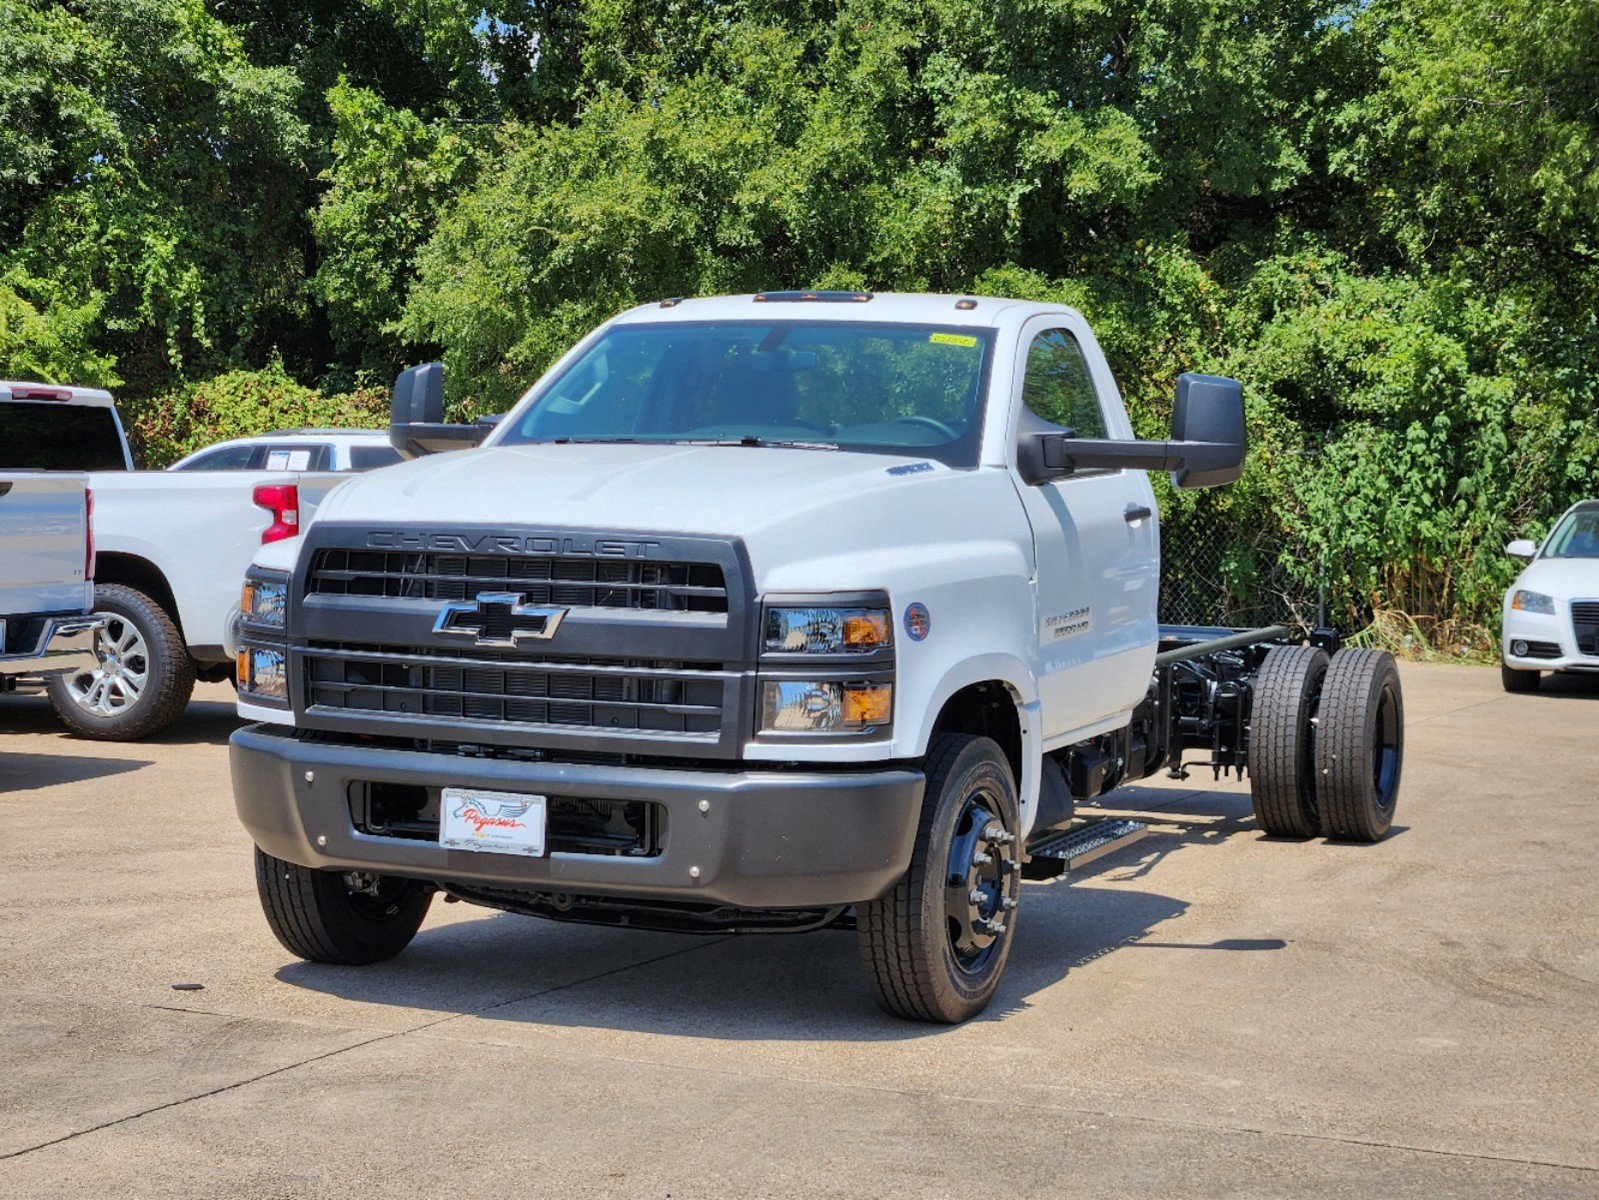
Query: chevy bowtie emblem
point(499, 619)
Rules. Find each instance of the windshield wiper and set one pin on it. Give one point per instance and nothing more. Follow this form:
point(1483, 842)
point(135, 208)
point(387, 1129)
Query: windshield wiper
point(752, 440)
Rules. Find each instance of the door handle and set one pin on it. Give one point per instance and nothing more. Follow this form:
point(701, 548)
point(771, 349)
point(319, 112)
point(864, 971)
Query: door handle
point(1137, 512)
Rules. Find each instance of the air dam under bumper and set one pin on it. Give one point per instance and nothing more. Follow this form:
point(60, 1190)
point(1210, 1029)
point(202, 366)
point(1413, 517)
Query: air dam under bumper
point(768, 839)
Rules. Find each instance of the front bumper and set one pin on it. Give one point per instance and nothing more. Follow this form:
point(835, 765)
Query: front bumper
point(1551, 638)
point(764, 839)
point(64, 645)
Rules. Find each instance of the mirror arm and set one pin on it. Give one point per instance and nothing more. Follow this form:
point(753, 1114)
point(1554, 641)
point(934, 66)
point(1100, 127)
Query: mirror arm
point(1055, 456)
point(416, 439)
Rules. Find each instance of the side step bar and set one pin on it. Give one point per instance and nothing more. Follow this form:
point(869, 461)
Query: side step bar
point(1068, 849)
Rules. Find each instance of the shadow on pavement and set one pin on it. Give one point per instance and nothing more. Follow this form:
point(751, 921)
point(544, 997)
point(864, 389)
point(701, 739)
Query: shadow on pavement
point(757, 987)
point(1567, 687)
point(25, 772)
point(204, 722)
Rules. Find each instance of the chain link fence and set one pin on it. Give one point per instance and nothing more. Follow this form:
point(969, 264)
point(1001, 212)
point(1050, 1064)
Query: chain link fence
point(1226, 576)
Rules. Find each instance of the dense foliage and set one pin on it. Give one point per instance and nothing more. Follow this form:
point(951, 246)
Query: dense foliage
point(1382, 215)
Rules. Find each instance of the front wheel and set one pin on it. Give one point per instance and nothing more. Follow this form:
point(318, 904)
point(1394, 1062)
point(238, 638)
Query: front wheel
point(143, 676)
point(935, 947)
point(349, 918)
point(1518, 681)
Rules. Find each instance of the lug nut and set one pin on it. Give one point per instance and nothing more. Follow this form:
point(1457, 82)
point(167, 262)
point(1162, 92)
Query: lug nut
point(1011, 866)
point(1008, 904)
point(980, 859)
point(976, 896)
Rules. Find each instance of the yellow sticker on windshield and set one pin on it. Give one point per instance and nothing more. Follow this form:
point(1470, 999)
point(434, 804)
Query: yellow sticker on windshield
point(952, 339)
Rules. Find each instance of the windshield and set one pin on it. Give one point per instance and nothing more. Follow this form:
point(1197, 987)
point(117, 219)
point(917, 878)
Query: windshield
point(893, 389)
point(1575, 537)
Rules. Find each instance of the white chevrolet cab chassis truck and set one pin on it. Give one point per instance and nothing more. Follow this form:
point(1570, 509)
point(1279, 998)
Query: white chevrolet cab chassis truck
point(769, 613)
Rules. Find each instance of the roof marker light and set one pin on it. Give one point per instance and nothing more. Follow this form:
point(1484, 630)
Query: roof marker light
point(966, 305)
point(818, 297)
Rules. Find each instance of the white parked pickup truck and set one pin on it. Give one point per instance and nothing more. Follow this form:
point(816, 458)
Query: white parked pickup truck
point(172, 548)
point(771, 612)
point(46, 568)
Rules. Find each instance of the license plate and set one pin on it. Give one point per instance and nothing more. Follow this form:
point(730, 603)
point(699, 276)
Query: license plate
point(495, 822)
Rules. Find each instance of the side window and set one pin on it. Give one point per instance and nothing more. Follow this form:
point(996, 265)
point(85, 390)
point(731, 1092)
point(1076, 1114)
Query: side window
point(229, 458)
point(1058, 387)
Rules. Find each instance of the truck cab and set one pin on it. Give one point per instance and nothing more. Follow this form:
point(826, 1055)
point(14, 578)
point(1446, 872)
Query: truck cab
point(759, 612)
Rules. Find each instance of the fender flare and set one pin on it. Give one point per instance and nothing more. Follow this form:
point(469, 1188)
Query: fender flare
point(1019, 680)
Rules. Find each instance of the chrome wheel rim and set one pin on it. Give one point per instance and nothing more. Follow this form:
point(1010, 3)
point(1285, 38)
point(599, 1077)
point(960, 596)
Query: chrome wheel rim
point(121, 673)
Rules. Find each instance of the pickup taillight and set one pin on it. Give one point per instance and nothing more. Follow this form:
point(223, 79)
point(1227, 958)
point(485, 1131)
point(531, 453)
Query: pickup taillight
point(282, 500)
point(88, 535)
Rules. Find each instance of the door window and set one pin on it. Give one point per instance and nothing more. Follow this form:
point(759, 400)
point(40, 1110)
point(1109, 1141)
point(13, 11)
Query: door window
point(1058, 387)
point(228, 458)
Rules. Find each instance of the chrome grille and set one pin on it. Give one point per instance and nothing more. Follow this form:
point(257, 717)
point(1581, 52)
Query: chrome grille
point(1585, 625)
point(572, 581)
point(620, 695)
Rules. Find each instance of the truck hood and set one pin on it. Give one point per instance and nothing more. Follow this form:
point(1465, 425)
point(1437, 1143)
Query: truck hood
point(789, 506)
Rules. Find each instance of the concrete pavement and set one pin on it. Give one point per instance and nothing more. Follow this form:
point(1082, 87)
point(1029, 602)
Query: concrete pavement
point(1205, 1013)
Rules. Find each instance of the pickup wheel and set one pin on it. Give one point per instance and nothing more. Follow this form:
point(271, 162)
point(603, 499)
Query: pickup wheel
point(935, 947)
point(144, 678)
point(347, 918)
point(1519, 681)
point(1360, 745)
point(1282, 760)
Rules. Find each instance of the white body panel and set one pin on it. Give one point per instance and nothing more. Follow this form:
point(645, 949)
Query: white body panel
point(199, 530)
point(43, 530)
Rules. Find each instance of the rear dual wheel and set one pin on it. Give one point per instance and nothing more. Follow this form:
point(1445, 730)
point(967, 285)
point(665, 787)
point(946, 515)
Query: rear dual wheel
point(1327, 740)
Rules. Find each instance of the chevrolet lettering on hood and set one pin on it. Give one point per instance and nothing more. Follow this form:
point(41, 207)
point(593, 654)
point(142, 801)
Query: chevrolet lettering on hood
point(511, 543)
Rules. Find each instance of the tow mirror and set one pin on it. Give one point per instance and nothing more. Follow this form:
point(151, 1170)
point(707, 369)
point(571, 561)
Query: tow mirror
point(416, 416)
point(1522, 548)
point(1207, 446)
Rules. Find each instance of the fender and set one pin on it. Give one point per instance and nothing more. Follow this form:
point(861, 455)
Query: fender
point(1022, 684)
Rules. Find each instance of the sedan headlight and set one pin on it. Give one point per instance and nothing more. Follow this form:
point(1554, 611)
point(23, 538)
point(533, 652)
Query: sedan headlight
point(819, 630)
point(817, 706)
point(265, 602)
point(1533, 602)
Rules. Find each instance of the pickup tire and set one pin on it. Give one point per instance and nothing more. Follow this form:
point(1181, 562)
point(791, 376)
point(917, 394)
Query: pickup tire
point(319, 917)
point(145, 676)
point(1519, 681)
point(935, 947)
point(1282, 759)
point(1360, 745)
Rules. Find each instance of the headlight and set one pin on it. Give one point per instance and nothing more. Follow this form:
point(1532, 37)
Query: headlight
point(807, 706)
point(265, 602)
point(827, 630)
point(263, 673)
point(1533, 602)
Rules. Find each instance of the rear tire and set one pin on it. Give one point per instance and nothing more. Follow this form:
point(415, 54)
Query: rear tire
point(1360, 745)
point(1519, 681)
point(1282, 760)
point(319, 917)
point(935, 947)
point(144, 678)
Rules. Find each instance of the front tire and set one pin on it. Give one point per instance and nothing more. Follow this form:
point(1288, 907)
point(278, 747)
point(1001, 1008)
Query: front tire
point(319, 916)
point(1518, 681)
point(144, 677)
point(935, 947)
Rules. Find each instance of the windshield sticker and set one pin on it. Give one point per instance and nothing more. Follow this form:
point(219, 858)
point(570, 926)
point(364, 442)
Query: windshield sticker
point(952, 339)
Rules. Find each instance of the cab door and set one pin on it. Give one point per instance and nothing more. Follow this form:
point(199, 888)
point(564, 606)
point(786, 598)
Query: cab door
point(1097, 565)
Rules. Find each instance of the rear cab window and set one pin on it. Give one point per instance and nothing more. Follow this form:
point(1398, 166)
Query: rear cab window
point(55, 436)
